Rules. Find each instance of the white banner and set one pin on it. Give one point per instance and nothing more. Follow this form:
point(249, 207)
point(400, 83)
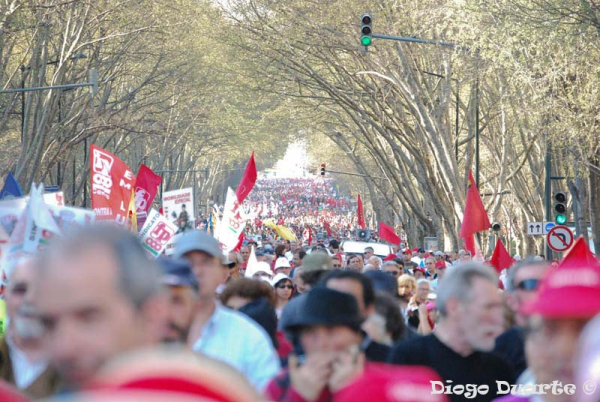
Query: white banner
point(156, 233)
point(232, 224)
point(178, 206)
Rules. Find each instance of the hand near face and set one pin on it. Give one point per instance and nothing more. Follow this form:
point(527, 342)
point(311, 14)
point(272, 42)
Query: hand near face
point(347, 367)
point(310, 378)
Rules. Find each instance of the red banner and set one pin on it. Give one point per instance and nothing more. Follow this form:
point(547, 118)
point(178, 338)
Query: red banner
point(112, 183)
point(146, 186)
point(248, 180)
point(388, 234)
point(360, 216)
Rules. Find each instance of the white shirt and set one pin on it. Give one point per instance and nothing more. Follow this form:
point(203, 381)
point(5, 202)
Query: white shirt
point(236, 339)
point(24, 371)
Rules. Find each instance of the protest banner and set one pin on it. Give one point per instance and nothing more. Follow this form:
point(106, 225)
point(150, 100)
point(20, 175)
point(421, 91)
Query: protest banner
point(156, 233)
point(178, 206)
point(232, 224)
point(112, 184)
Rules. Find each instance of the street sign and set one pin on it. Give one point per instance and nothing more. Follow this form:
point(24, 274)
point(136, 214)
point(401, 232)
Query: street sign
point(560, 238)
point(548, 226)
point(535, 228)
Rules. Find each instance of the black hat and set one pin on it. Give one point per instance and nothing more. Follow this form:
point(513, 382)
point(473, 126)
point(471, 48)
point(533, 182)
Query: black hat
point(328, 307)
point(177, 272)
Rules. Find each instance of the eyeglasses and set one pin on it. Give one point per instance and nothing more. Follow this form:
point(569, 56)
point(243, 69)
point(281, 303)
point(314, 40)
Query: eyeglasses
point(393, 273)
point(528, 284)
point(285, 286)
point(337, 266)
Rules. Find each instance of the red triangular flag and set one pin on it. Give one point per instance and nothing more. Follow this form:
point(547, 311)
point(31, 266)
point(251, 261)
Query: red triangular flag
point(501, 259)
point(388, 234)
point(475, 218)
point(360, 216)
point(248, 180)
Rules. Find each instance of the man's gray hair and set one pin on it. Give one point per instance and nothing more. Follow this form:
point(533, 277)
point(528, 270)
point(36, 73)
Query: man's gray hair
point(512, 272)
point(458, 283)
point(139, 275)
point(423, 280)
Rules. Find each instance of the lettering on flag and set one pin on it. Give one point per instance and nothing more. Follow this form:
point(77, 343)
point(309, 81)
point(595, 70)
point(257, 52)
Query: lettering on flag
point(156, 233)
point(112, 182)
point(232, 224)
point(146, 187)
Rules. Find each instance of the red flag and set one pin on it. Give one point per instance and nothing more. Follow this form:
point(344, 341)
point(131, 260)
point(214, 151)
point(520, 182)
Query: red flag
point(388, 234)
point(501, 259)
point(238, 246)
point(475, 218)
point(146, 187)
point(248, 180)
point(360, 215)
point(327, 227)
point(112, 184)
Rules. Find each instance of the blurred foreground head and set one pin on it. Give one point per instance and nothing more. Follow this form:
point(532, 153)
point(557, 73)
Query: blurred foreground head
point(97, 295)
point(167, 373)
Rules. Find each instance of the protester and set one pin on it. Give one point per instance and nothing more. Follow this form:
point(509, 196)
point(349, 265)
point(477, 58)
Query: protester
point(327, 356)
point(283, 292)
point(522, 286)
point(470, 309)
point(407, 287)
point(215, 329)
point(21, 358)
point(97, 295)
point(417, 308)
point(567, 299)
point(361, 288)
point(282, 266)
point(354, 263)
point(183, 295)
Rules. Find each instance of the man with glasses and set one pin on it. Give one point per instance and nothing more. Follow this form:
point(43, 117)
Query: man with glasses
point(391, 268)
point(335, 262)
point(522, 286)
point(368, 253)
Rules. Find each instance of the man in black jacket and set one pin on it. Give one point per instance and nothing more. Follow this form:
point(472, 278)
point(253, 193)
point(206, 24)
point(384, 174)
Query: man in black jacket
point(471, 317)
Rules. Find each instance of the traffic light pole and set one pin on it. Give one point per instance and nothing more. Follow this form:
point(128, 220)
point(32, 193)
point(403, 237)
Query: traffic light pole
point(413, 40)
point(548, 192)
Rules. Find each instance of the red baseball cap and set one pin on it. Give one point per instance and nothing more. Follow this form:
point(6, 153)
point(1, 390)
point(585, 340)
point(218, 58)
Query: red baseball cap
point(419, 269)
point(407, 250)
point(571, 289)
point(386, 383)
point(390, 257)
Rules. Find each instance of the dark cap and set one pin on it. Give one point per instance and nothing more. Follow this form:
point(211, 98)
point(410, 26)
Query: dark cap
point(328, 307)
point(177, 272)
point(383, 282)
point(197, 240)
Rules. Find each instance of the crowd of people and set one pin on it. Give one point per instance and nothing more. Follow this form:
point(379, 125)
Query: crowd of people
point(300, 204)
point(93, 317)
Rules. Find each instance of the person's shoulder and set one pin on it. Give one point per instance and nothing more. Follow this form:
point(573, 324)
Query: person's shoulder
point(225, 314)
point(405, 351)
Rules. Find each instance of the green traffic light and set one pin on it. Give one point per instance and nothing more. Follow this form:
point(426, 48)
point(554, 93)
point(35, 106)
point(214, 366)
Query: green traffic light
point(366, 40)
point(561, 219)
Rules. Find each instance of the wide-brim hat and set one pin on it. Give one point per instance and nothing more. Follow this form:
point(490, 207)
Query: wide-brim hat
point(326, 307)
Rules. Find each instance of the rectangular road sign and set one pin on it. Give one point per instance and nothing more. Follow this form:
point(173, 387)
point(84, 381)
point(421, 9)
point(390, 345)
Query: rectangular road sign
point(535, 228)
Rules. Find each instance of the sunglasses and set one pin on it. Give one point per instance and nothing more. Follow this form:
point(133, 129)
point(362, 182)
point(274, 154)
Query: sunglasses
point(337, 266)
point(285, 286)
point(528, 284)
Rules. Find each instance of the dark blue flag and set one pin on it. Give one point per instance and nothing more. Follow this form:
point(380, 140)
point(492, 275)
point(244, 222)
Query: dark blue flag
point(11, 188)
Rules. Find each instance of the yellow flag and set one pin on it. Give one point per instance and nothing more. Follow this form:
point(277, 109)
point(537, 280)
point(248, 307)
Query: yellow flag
point(285, 233)
point(132, 211)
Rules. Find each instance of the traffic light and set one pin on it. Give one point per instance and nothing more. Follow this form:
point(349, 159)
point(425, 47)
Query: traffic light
point(560, 208)
point(322, 169)
point(496, 227)
point(366, 29)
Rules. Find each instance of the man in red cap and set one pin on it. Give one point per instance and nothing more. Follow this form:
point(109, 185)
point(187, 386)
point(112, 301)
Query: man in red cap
point(568, 297)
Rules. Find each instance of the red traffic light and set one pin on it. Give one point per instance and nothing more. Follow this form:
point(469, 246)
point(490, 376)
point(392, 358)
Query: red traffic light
point(322, 165)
